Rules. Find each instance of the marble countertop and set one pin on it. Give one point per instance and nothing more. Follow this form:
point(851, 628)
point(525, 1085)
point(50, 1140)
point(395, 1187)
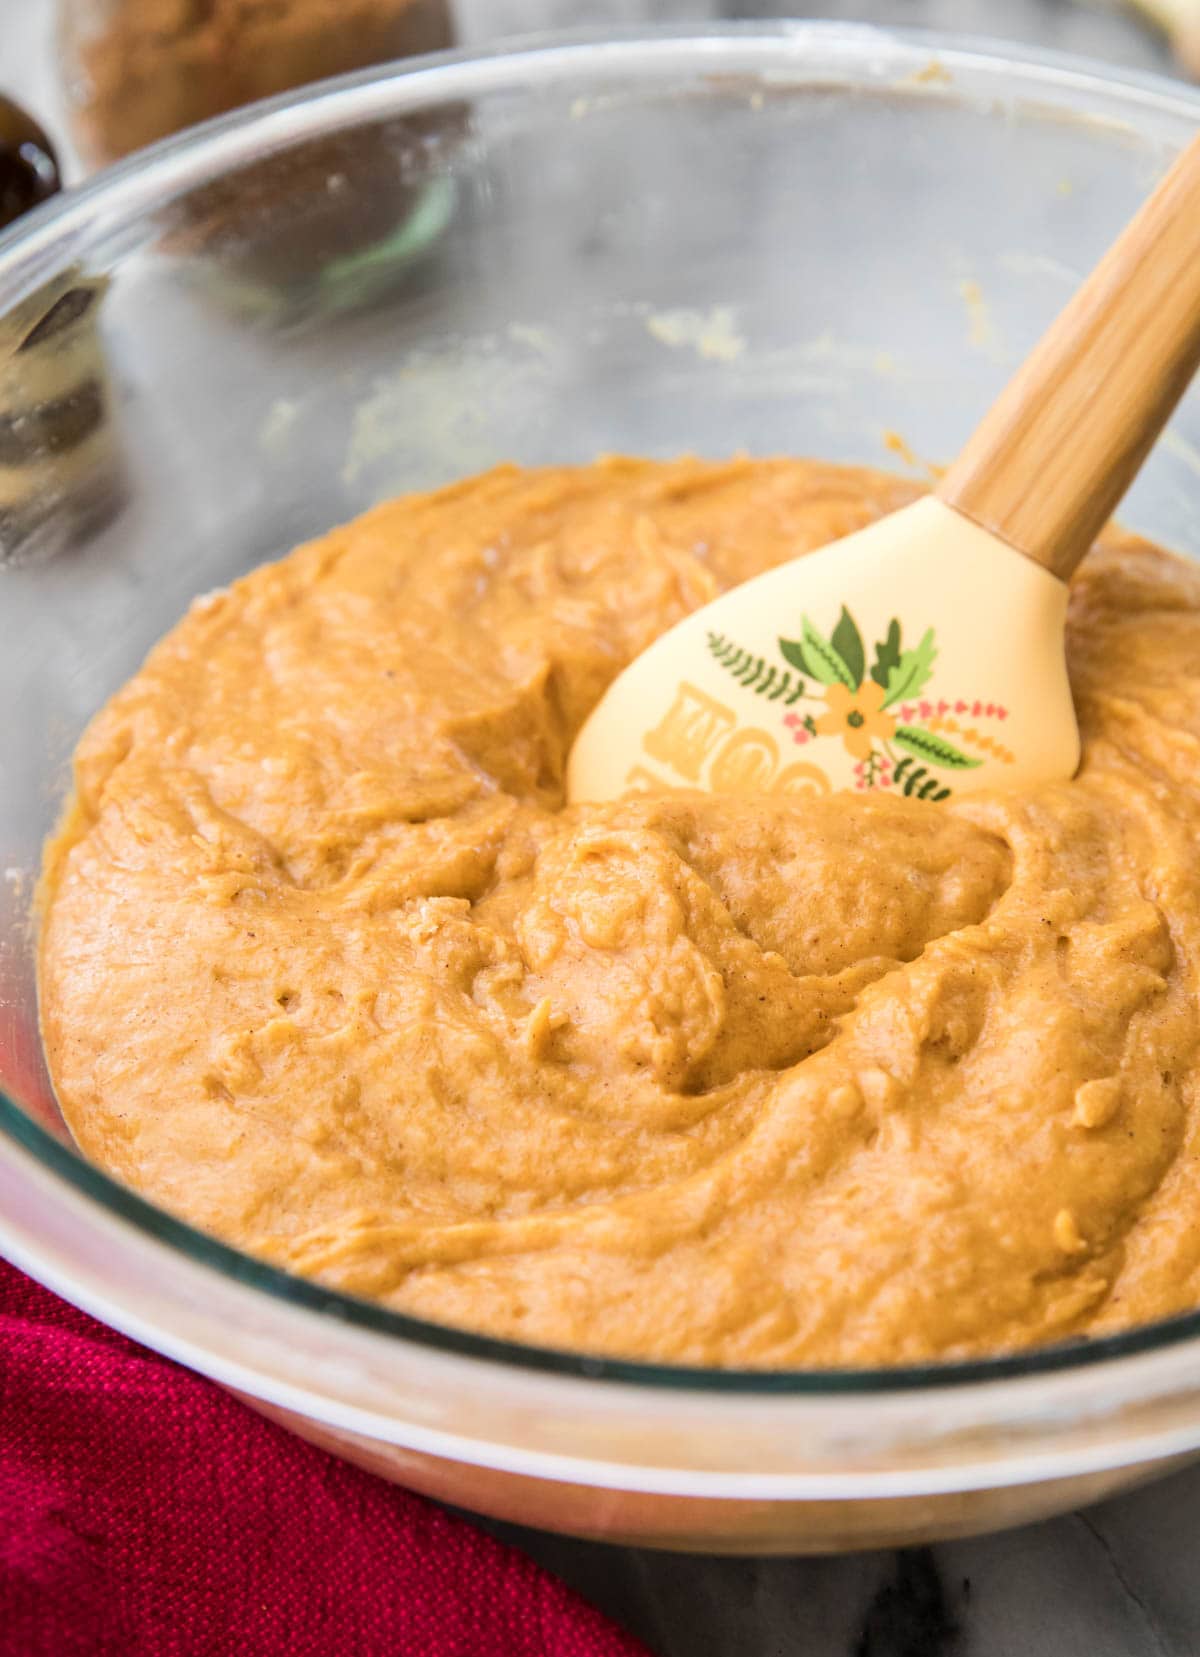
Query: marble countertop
point(1118, 1580)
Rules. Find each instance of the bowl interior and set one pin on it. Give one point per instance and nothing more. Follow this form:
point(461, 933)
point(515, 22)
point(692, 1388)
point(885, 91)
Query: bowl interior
point(815, 240)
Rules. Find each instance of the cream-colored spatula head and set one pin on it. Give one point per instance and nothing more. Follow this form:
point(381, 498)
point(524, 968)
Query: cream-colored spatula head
point(925, 653)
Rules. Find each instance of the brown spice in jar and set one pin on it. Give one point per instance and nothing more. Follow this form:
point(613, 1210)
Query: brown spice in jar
point(152, 67)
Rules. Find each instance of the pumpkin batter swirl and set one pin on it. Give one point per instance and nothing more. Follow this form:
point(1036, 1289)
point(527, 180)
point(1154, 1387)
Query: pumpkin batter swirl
point(771, 1079)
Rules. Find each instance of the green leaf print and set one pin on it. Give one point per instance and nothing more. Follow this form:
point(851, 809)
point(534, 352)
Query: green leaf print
point(847, 641)
point(824, 662)
point(934, 750)
point(887, 654)
point(792, 652)
point(916, 781)
point(912, 672)
point(753, 673)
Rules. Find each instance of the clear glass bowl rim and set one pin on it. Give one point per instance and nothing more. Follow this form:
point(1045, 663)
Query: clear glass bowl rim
point(42, 243)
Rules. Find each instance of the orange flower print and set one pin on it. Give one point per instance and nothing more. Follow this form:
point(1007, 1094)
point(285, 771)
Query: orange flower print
point(856, 716)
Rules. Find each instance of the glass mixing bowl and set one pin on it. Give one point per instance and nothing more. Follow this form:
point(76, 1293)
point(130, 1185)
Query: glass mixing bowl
point(795, 237)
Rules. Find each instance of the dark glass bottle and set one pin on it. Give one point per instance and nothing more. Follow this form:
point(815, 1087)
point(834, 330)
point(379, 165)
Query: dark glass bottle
point(28, 165)
point(59, 468)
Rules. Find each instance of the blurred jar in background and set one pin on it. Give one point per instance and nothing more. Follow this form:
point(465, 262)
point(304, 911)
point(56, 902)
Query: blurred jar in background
point(323, 227)
point(139, 70)
point(59, 467)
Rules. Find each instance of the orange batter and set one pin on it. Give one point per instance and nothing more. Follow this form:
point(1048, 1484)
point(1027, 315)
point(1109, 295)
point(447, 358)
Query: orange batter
point(328, 970)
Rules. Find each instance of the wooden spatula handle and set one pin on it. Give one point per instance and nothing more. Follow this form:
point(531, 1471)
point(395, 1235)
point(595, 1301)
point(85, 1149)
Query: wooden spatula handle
point(1057, 451)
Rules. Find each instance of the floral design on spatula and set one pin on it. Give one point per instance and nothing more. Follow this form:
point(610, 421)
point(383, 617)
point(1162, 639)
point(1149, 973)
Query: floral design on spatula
point(897, 737)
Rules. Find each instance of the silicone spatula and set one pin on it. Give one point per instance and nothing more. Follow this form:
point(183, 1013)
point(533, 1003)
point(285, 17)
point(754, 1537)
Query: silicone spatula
point(926, 652)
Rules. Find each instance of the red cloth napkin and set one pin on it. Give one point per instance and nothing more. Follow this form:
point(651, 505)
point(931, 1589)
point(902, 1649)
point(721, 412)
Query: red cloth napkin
point(146, 1513)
